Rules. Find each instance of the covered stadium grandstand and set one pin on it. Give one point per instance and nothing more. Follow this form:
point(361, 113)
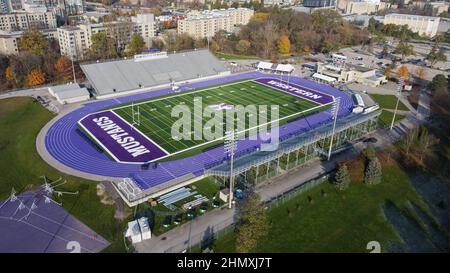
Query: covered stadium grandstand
point(151, 70)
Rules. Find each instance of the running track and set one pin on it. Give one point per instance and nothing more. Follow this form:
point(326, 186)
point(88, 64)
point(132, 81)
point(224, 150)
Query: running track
point(67, 146)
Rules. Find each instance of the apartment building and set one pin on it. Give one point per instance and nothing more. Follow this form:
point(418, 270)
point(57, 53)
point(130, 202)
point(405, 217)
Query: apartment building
point(423, 25)
point(74, 41)
point(207, 23)
point(9, 41)
point(26, 20)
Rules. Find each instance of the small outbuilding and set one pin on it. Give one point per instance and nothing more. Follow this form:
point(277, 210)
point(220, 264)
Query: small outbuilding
point(69, 93)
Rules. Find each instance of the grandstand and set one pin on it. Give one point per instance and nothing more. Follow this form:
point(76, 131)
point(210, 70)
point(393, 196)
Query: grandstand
point(150, 71)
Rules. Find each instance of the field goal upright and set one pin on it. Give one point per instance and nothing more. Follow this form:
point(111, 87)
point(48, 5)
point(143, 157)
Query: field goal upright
point(136, 114)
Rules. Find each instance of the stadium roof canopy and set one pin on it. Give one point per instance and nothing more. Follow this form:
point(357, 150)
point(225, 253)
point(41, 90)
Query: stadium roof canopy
point(286, 68)
point(323, 77)
point(113, 77)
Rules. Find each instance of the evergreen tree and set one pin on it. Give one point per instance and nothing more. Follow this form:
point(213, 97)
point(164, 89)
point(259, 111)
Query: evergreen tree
point(342, 178)
point(372, 175)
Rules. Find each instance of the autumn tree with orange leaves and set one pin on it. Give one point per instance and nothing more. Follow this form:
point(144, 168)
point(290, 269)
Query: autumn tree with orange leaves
point(35, 77)
point(63, 67)
point(403, 72)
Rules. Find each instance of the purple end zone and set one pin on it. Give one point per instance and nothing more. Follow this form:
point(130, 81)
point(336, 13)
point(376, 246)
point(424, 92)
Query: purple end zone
point(297, 90)
point(123, 142)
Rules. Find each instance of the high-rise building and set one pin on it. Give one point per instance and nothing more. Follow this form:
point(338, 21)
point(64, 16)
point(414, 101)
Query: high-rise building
point(207, 23)
point(74, 41)
point(26, 20)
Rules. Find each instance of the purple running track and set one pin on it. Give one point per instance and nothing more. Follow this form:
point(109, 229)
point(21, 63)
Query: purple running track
point(64, 142)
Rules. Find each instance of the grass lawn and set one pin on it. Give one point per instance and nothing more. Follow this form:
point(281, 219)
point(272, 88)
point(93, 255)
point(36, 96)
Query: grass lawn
point(20, 167)
point(388, 102)
point(385, 118)
point(339, 222)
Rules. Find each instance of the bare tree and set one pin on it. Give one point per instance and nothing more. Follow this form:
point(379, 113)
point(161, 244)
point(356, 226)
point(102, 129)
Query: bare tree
point(269, 36)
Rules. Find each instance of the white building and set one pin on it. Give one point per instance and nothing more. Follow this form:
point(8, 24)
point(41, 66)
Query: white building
point(330, 73)
point(69, 93)
point(27, 20)
point(138, 230)
point(207, 23)
point(423, 25)
point(74, 41)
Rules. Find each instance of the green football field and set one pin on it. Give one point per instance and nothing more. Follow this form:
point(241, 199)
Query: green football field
point(156, 120)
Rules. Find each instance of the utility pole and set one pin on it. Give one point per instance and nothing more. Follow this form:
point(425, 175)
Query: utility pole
point(73, 56)
point(230, 147)
point(334, 112)
point(399, 89)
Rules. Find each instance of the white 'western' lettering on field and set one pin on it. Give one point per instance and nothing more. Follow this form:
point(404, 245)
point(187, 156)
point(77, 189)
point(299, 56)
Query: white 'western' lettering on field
point(294, 89)
point(121, 136)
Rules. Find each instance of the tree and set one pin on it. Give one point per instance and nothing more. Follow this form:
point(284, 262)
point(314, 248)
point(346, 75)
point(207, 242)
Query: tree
point(372, 175)
point(284, 45)
point(404, 49)
point(243, 46)
point(326, 20)
point(439, 84)
point(421, 73)
point(136, 45)
point(9, 73)
point(36, 77)
point(402, 72)
point(436, 55)
point(369, 152)
point(269, 36)
point(342, 178)
point(252, 224)
point(64, 68)
point(102, 47)
point(387, 72)
point(34, 42)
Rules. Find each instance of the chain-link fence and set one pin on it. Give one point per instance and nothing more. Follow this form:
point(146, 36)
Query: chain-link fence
point(294, 192)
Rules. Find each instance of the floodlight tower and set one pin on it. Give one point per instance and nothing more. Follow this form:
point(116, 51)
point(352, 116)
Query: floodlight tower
point(230, 147)
point(334, 112)
point(399, 89)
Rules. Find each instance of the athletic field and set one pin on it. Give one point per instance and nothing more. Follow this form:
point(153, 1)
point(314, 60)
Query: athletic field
point(151, 127)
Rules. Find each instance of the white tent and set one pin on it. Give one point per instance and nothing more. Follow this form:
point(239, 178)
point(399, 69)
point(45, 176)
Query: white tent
point(264, 65)
point(285, 68)
point(323, 77)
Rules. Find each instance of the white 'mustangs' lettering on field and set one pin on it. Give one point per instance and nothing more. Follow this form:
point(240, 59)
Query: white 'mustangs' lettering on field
point(121, 137)
point(295, 89)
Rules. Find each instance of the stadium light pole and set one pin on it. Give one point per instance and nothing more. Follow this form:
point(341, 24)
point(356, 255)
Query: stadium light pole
point(334, 112)
point(399, 88)
point(230, 147)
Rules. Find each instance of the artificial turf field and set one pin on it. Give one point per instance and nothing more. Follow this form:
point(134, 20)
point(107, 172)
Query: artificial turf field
point(156, 120)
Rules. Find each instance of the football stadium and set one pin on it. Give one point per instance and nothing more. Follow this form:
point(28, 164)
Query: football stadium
point(126, 135)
